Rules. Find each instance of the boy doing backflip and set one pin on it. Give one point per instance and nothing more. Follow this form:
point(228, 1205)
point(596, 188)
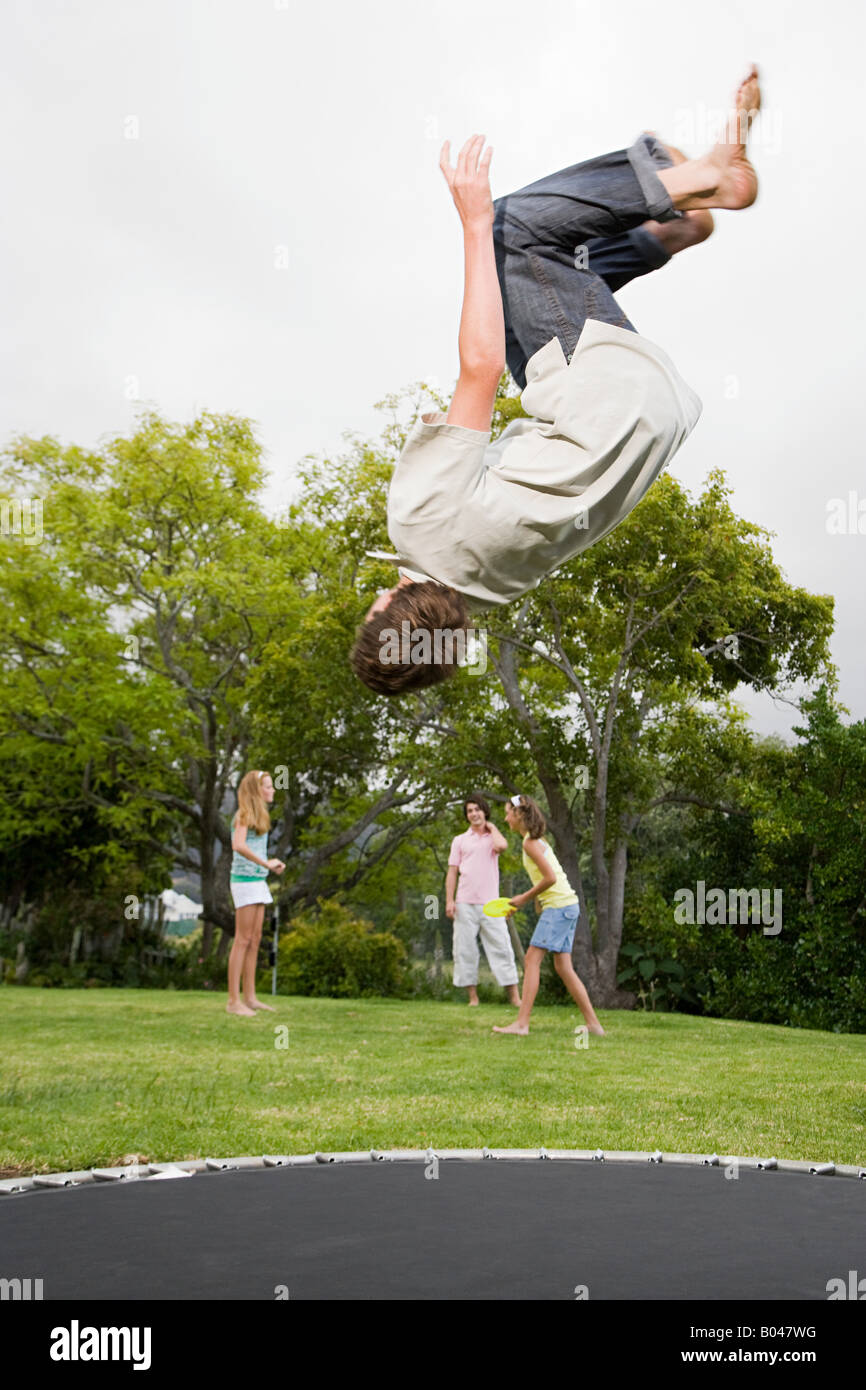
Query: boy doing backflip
point(477, 522)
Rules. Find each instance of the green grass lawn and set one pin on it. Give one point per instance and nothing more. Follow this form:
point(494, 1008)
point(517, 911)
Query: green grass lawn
point(96, 1077)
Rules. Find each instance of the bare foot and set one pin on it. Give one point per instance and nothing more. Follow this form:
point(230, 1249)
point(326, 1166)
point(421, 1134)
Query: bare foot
point(257, 1004)
point(515, 1027)
point(473, 1003)
point(241, 1010)
point(598, 1030)
point(737, 185)
point(689, 230)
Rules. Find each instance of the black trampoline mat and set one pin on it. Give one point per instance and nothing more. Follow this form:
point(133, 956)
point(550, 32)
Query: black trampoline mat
point(504, 1229)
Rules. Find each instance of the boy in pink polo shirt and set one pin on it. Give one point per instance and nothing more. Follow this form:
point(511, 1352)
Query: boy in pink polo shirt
point(475, 857)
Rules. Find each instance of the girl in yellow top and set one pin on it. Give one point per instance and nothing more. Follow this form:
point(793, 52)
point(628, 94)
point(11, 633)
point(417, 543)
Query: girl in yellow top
point(557, 902)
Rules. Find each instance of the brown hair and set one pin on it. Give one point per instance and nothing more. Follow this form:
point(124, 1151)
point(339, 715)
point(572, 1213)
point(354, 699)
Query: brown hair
point(252, 809)
point(479, 802)
point(530, 814)
point(429, 608)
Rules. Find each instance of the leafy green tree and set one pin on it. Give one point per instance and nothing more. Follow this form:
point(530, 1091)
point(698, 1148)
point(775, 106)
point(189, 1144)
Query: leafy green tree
point(801, 839)
point(159, 587)
point(67, 709)
point(809, 815)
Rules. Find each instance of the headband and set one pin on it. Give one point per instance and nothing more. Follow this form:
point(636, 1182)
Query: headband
point(515, 800)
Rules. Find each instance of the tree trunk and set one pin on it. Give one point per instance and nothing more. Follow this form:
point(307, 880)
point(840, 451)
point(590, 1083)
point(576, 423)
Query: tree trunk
point(207, 938)
point(22, 964)
point(516, 943)
point(215, 871)
point(597, 967)
point(611, 996)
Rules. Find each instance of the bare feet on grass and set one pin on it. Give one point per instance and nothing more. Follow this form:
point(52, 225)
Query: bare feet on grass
point(522, 1029)
point(240, 1010)
point(257, 1004)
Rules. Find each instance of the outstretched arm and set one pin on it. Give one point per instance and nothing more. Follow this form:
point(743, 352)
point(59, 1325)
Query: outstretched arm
point(481, 340)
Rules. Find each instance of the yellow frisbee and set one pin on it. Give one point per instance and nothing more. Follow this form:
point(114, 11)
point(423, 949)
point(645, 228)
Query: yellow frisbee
point(498, 907)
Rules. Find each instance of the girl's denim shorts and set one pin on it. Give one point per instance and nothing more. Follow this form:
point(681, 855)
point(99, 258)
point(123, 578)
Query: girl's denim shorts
point(554, 930)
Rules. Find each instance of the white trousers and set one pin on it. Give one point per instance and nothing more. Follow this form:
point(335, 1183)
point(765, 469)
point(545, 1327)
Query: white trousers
point(469, 922)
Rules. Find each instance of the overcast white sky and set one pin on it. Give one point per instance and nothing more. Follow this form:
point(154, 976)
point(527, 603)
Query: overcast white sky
point(276, 238)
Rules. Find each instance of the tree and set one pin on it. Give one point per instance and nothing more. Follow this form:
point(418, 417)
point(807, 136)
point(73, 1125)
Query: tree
point(167, 584)
point(801, 843)
point(809, 815)
point(65, 815)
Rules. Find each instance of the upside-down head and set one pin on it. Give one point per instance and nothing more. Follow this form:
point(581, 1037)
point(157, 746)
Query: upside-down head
point(412, 639)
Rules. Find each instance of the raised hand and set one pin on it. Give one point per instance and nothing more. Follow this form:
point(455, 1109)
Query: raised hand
point(469, 182)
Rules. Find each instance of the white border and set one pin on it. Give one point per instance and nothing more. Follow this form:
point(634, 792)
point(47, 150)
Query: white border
point(187, 1168)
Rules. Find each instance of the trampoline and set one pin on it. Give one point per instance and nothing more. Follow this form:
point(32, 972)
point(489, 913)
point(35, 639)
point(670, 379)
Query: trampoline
point(452, 1224)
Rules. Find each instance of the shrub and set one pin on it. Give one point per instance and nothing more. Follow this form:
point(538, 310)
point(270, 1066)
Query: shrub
point(341, 956)
point(817, 980)
point(657, 983)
